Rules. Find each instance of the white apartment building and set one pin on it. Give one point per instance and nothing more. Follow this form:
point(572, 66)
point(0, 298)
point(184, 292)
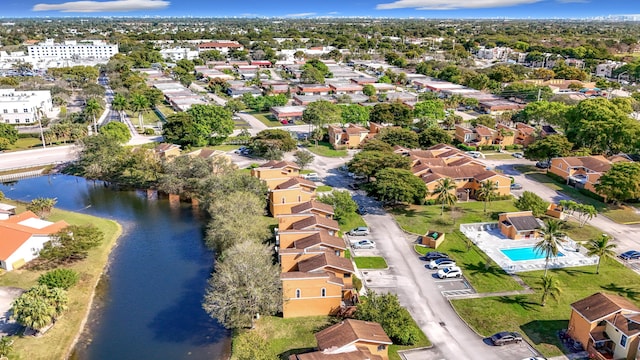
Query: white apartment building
point(179, 53)
point(71, 49)
point(19, 107)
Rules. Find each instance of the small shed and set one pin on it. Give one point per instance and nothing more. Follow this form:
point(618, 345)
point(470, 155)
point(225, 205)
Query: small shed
point(555, 211)
point(432, 239)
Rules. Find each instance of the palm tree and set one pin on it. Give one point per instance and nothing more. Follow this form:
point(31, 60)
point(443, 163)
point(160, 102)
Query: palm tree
point(93, 109)
point(119, 104)
point(140, 104)
point(487, 192)
point(600, 247)
point(444, 194)
point(42, 206)
point(550, 288)
point(551, 238)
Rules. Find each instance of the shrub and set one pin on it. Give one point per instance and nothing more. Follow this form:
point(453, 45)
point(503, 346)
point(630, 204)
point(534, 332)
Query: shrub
point(465, 147)
point(59, 278)
point(357, 283)
point(149, 131)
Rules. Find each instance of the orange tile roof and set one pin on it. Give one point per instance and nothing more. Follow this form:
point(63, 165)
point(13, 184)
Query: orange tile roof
point(350, 331)
point(315, 220)
point(320, 238)
point(13, 234)
point(312, 205)
point(325, 260)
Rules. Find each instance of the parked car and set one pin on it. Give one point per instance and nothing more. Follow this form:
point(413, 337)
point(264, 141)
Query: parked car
point(518, 155)
point(543, 164)
point(449, 272)
point(441, 263)
point(433, 255)
point(505, 337)
point(534, 358)
point(516, 186)
point(474, 154)
point(364, 244)
point(361, 210)
point(240, 149)
point(359, 231)
point(312, 177)
point(630, 255)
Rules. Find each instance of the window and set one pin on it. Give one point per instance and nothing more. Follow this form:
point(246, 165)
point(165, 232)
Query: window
point(382, 347)
point(299, 198)
point(6, 111)
point(323, 292)
point(298, 293)
point(15, 110)
point(623, 341)
point(346, 276)
point(26, 110)
point(283, 199)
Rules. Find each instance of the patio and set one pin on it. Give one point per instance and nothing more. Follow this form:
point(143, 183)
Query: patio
point(491, 241)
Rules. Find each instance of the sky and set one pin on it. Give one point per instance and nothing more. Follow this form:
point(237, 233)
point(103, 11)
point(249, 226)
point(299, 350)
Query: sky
point(523, 9)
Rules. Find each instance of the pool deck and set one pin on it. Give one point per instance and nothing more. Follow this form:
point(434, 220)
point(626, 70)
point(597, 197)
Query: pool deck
point(489, 239)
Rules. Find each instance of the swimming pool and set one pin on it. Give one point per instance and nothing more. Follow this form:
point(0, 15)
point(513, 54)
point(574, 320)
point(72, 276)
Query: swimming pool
point(525, 253)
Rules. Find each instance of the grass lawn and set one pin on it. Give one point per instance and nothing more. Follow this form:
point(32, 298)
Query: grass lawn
point(325, 149)
point(25, 143)
point(166, 110)
point(370, 262)
point(351, 221)
point(57, 342)
point(540, 324)
point(324, 188)
point(420, 218)
point(45, 169)
point(497, 156)
point(265, 118)
point(621, 215)
point(585, 233)
point(148, 118)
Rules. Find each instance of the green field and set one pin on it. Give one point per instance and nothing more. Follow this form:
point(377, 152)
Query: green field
point(57, 342)
point(25, 144)
point(325, 149)
point(265, 118)
point(370, 262)
point(149, 118)
point(351, 221)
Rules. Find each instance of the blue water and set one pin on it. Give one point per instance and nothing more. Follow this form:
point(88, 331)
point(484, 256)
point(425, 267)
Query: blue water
point(147, 305)
point(525, 253)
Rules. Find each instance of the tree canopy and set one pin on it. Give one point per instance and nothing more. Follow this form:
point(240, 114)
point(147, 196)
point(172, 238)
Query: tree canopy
point(399, 136)
point(116, 130)
point(368, 163)
point(395, 113)
point(399, 185)
point(621, 182)
point(199, 126)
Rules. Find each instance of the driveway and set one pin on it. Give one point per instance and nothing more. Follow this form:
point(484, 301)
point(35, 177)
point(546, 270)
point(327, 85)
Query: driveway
point(7, 295)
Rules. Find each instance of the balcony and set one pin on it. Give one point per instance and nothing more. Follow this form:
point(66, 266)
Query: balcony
point(601, 352)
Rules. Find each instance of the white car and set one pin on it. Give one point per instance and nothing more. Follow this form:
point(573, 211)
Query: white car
point(359, 231)
point(364, 244)
point(450, 272)
point(441, 263)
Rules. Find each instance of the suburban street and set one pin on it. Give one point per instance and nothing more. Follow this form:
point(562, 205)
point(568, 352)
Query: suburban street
point(37, 157)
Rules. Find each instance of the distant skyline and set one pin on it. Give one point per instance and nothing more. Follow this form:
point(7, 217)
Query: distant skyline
point(520, 9)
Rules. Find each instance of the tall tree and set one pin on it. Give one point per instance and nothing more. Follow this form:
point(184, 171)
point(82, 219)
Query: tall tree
point(368, 163)
point(399, 136)
point(395, 113)
point(433, 136)
point(139, 104)
point(386, 310)
point(8, 135)
point(119, 104)
point(93, 108)
point(320, 113)
point(548, 147)
point(343, 204)
point(245, 284)
point(601, 247)
point(117, 130)
point(399, 185)
point(42, 206)
point(354, 114)
point(430, 109)
point(549, 245)
point(621, 182)
point(550, 289)
point(444, 193)
point(530, 201)
point(487, 192)
point(303, 158)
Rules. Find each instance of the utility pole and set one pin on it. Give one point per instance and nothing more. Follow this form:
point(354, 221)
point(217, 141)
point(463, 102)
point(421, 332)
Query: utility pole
point(39, 115)
point(539, 93)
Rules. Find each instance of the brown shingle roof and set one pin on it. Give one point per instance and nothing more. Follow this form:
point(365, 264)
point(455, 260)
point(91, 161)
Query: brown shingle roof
point(315, 221)
point(524, 222)
point(274, 164)
point(320, 238)
point(484, 131)
point(322, 261)
point(600, 305)
point(360, 354)
point(596, 163)
point(312, 205)
point(294, 182)
point(485, 175)
point(350, 331)
point(625, 324)
point(459, 172)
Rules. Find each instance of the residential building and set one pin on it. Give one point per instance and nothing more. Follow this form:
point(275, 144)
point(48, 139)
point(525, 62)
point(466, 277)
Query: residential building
point(607, 326)
point(561, 85)
point(224, 46)
point(606, 69)
point(582, 172)
point(519, 225)
point(350, 340)
point(350, 136)
point(23, 236)
point(166, 151)
point(287, 113)
point(290, 193)
point(22, 107)
point(178, 53)
point(499, 106)
point(303, 100)
point(313, 89)
point(6, 211)
point(237, 93)
point(274, 173)
point(341, 88)
point(71, 49)
point(314, 207)
point(525, 135)
point(364, 80)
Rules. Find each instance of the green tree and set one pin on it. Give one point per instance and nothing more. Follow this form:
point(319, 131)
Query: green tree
point(214, 121)
point(59, 278)
point(621, 182)
point(601, 247)
point(249, 345)
point(70, 244)
point(399, 136)
point(42, 206)
point(270, 140)
point(530, 201)
point(526, 92)
point(116, 130)
point(550, 289)
point(311, 75)
point(538, 112)
point(101, 157)
point(303, 158)
point(245, 284)
point(429, 109)
point(6, 346)
point(139, 104)
point(39, 306)
point(548, 147)
point(386, 310)
point(320, 113)
point(354, 114)
point(487, 192)
point(395, 113)
point(399, 185)
point(444, 193)
point(8, 136)
point(343, 204)
point(549, 245)
point(376, 145)
point(235, 105)
point(369, 90)
point(93, 108)
point(368, 163)
point(433, 136)
point(486, 120)
point(119, 104)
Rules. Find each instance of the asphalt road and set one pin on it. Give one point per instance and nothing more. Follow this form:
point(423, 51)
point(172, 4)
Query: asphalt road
point(37, 157)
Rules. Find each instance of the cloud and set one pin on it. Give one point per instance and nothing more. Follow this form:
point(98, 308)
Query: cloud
point(451, 4)
point(301, 14)
point(333, 13)
point(103, 6)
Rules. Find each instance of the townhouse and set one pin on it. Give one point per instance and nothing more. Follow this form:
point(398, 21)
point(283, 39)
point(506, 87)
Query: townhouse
point(483, 136)
point(583, 172)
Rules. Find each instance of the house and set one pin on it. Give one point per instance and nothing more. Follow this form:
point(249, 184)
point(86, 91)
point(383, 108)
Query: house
point(167, 151)
point(556, 211)
point(525, 135)
point(314, 207)
point(274, 173)
point(6, 211)
point(262, 63)
point(582, 172)
point(218, 157)
point(499, 106)
point(382, 88)
point(302, 222)
point(287, 113)
point(309, 294)
point(290, 193)
point(304, 100)
point(350, 136)
point(607, 326)
point(237, 93)
point(478, 136)
point(341, 88)
point(22, 236)
point(224, 46)
point(364, 80)
point(350, 340)
point(519, 225)
point(313, 89)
